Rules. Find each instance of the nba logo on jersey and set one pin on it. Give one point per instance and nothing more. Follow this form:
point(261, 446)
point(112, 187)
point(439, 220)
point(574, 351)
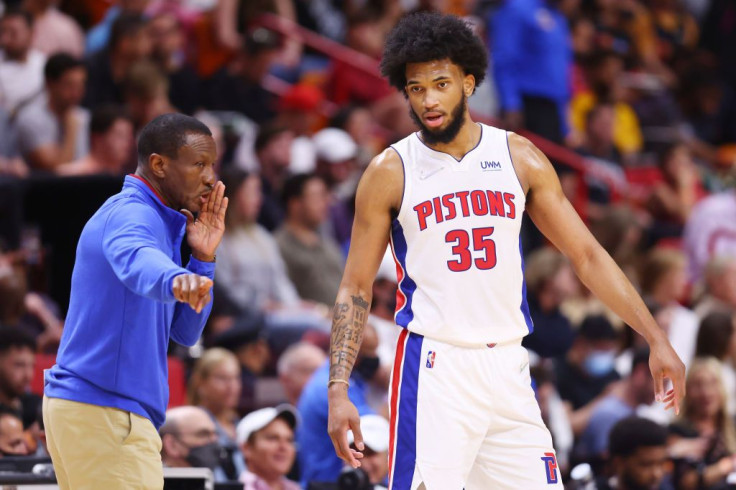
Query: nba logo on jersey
point(430, 359)
point(550, 465)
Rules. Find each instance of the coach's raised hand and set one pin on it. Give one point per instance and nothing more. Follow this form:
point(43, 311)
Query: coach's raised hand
point(205, 233)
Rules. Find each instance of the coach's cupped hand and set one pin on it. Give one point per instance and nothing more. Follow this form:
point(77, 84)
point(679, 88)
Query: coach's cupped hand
point(205, 233)
point(664, 363)
point(343, 416)
point(192, 289)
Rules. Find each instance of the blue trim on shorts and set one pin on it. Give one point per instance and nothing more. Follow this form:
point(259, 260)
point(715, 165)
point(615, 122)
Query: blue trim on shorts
point(406, 434)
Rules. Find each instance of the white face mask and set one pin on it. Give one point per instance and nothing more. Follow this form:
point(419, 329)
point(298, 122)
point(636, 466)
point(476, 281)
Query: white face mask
point(599, 363)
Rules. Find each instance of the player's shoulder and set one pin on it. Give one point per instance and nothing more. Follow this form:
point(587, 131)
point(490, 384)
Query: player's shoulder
point(126, 208)
point(385, 165)
point(529, 162)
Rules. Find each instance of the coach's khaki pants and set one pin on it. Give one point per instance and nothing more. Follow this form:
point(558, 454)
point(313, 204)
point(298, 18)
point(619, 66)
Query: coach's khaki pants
point(101, 448)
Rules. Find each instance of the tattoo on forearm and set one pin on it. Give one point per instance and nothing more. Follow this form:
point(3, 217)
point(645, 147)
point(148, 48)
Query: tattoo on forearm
point(347, 335)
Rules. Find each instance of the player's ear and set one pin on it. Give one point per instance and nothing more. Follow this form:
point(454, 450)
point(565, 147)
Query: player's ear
point(468, 85)
point(157, 164)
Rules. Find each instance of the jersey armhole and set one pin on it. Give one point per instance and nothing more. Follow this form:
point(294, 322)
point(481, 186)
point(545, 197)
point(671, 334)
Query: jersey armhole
point(513, 165)
point(398, 213)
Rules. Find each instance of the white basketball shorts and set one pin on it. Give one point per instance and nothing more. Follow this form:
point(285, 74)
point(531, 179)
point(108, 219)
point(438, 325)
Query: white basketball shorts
point(466, 418)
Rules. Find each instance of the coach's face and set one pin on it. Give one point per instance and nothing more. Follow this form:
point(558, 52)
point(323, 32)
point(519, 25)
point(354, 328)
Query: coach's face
point(189, 178)
point(436, 91)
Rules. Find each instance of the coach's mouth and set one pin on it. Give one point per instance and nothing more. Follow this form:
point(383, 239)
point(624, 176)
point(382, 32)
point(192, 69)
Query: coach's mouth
point(204, 198)
point(433, 119)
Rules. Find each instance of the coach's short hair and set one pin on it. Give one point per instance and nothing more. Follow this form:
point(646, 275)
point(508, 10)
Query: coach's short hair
point(631, 433)
point(166, 134)
point(422, 37)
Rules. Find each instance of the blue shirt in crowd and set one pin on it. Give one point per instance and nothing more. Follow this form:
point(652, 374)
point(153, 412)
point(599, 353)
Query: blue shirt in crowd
point(318, 461)
point(122, 311)
point(532, 53)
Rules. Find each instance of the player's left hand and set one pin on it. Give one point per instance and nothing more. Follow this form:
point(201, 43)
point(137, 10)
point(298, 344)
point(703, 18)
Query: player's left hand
point(204, 233)
point(665, 363)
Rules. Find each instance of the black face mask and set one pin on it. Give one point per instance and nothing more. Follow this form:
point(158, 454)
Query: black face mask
point(367, 367)
point(207, 456)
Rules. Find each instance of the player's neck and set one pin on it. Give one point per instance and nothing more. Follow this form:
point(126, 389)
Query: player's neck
point(467, 138)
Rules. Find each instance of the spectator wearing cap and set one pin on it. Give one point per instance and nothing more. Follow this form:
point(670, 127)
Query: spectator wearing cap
point(247, 340)
point(588, 367)
point(111, 143)
point(363, 128)
point(622, 400)
point(273, 151)
point(318, 461)
point(54, 129)
point(189, 440)
point(550, 281)
point(638, 453)
point(237, 86)
point(299, 110)
point(296, 366)
point(266, 438)
point(337, 165)
point(375, 431)
point(215, 387)
point(130, 42)
point(21, 66)
point(314, 262)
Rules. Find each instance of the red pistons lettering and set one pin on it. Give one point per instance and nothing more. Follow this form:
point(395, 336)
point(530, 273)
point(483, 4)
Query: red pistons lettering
point(477, 203)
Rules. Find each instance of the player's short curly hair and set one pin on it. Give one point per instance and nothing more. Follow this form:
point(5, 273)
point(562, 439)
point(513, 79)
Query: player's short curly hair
point(423, 37)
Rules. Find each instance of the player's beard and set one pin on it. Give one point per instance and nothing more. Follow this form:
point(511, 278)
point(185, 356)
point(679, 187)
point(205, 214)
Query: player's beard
point(446, 135)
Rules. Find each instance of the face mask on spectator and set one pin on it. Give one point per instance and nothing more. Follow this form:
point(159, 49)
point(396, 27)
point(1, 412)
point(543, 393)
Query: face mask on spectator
point(206, 456)
point(367, 367)
point(599, 363)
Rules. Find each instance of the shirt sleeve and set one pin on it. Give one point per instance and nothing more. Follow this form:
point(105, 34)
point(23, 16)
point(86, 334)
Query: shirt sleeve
point(132, 245)
point(507, 27)
point(35, 131)
point(187, 325)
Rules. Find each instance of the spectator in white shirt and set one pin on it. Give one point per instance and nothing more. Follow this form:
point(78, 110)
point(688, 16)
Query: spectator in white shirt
point(21, 67)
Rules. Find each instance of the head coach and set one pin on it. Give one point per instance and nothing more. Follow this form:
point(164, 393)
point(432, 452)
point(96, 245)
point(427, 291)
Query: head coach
point(107, 394)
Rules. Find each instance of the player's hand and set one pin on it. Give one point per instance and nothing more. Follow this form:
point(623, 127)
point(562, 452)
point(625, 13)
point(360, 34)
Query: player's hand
point(343, 416)
point(664, 363)
point(204, 233)
point(192, 289)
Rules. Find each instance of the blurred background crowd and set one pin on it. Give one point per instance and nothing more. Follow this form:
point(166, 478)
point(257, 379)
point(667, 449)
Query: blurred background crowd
point(634, 101)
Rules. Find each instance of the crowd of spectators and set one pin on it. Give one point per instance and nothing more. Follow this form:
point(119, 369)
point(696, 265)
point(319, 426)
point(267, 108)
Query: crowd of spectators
point(636, 100)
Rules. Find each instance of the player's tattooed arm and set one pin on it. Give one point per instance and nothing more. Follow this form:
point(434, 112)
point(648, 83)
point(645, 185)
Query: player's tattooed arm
point(348, 322)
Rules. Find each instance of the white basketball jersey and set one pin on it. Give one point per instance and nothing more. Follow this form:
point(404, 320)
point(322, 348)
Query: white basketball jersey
point(456, 243)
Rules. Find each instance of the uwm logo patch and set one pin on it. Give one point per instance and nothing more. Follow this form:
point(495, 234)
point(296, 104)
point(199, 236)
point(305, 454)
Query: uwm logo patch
point(492, 165)
point(550, 466)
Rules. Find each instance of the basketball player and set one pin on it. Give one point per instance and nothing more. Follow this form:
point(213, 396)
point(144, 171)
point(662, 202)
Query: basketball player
point(450, 199)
